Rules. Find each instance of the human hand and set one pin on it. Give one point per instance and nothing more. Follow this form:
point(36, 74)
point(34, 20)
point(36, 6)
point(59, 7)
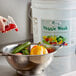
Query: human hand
point(2, 23)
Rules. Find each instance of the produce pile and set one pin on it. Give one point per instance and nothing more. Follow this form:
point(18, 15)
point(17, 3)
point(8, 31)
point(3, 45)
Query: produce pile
point(29, 49)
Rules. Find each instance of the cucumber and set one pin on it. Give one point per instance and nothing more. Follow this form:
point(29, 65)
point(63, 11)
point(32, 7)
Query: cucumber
point(21, 47)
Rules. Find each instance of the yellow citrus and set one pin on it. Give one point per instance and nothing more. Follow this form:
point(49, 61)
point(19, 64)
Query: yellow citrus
point(45, 50)
point(38, 50)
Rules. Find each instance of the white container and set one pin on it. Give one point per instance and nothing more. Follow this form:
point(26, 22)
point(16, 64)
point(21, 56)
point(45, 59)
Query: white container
point(73, 73)
point(66, 50)
point(55, 19)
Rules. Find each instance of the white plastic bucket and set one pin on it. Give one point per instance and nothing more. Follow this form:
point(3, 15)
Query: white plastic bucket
point(54, 18)
point(66, 50)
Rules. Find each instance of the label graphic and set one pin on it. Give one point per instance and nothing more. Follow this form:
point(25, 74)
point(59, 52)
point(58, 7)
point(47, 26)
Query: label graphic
point(56, 32)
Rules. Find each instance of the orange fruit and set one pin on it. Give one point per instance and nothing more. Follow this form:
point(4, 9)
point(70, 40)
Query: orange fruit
point(38, 50)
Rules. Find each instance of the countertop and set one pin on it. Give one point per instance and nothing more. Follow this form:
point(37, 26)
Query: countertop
point(58, 67)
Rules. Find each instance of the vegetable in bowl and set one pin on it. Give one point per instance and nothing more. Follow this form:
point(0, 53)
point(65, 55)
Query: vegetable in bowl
point(37, 49)
point(22, 49)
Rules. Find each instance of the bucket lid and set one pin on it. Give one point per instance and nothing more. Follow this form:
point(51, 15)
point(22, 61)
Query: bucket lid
point(56, 0)
point(61, 4)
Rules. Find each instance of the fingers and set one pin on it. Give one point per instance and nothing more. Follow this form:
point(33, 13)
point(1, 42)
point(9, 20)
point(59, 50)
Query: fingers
point(3, 25)
point(4, 20)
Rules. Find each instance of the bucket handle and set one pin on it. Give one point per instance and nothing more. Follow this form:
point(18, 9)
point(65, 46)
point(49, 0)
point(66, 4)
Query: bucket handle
point(30, 13)
point(30, 17)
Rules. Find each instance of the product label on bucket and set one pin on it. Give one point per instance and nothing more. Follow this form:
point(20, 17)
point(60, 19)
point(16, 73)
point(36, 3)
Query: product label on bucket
point(55, 32)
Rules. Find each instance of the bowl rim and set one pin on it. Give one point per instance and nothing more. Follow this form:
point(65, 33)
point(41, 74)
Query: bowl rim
point(7, 46)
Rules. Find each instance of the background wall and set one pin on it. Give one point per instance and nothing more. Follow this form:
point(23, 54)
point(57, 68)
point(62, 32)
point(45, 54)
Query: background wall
point(18, 9)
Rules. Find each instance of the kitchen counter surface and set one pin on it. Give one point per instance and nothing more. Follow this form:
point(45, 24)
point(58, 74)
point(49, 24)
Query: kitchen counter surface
point(58, 67)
